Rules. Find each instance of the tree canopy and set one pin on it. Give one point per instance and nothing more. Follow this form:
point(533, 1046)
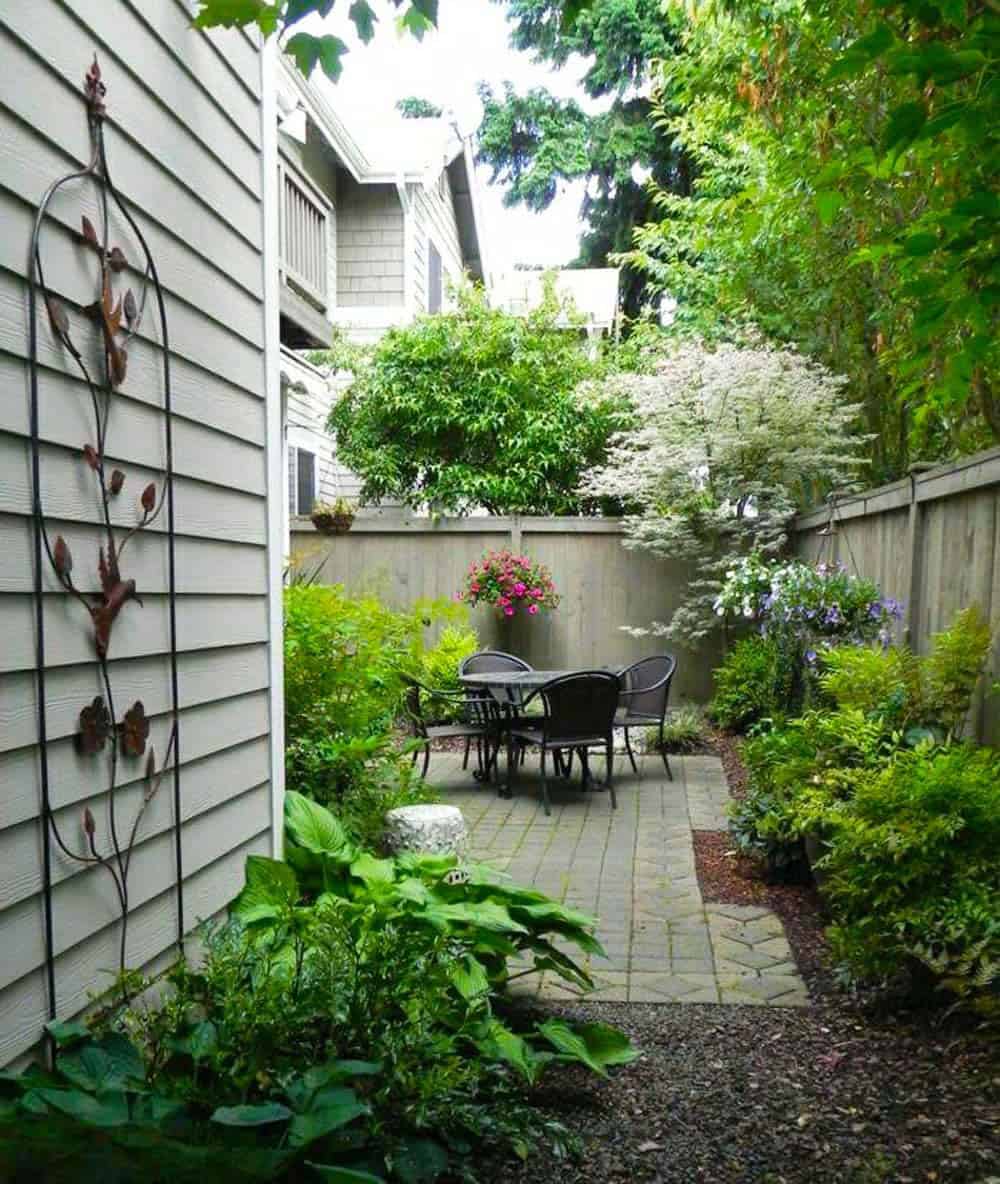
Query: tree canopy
point(476, 407)
point(845, 199)
point(535, 142)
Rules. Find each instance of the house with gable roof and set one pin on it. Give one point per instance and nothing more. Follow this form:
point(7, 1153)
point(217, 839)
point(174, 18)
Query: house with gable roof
point(377, 219)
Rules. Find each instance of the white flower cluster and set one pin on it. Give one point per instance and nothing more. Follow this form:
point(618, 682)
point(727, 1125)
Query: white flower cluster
point(725, 445)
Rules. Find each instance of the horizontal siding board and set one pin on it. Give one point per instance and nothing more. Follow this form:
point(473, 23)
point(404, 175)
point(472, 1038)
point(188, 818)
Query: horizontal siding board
point(238, 53)
point(203, 622)
point(87, 903)
point(137, 436)
point(29, 167)
point(206, 784)
point(184, 139)
point(42, 101)
point(23, 1007)
point(138, 47)
point(204, 729)
point(135, 113)
point(205, 676)
point(171, 25)
point(207, 566)
point(68, 493)
point(71, 274)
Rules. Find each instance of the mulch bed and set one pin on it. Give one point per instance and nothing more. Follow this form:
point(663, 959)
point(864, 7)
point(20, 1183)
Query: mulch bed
point(839, 1093)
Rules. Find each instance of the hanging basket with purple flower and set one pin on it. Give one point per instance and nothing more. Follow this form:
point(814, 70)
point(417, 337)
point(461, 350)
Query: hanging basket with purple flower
point(514, 584)
point(808, 607)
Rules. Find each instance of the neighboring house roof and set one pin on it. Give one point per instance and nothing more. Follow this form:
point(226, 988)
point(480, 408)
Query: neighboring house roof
point(395, 151)
point(592, 290)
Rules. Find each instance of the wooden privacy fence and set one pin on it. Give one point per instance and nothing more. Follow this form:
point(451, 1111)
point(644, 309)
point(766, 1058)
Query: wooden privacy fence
point(931, 541)
point(602, 586)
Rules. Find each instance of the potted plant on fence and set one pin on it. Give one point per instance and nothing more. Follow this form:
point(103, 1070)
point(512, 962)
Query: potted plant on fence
point(514, 584)
point(334, 517)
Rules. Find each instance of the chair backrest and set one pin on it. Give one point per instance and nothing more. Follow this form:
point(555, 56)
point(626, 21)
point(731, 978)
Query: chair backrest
point(487, 660)
point(580, 705)
point(651, 677)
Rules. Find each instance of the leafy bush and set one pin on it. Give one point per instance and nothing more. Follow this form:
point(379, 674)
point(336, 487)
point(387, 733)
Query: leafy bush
point(345, 1016)
point(912, 868)
point(751, 684)
point(476, 407)
point(683, 731)
point(345, 658)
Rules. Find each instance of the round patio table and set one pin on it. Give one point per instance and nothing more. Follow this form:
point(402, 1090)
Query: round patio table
point(514, 686)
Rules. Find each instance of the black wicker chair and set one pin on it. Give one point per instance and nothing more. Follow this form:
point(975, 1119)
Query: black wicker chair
point(479, 722)
point(642, 702)
point(483, 662)
point(579, 715)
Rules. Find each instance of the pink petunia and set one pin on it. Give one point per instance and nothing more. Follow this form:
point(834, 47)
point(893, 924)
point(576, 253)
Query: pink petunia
point(474, 587)
point(532, 608)
point(505, 602)
point(508, 610)
point(537, 593)
point(519, 589)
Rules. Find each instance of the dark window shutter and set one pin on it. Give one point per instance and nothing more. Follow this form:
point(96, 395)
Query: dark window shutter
point(433, 279)
point(293, 481)
point(306, 480)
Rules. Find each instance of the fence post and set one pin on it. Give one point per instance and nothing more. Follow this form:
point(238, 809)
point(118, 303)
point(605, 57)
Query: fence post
point(914, 563)
point(515, 533)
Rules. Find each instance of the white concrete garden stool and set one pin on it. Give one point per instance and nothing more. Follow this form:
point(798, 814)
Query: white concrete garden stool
point(434, 830)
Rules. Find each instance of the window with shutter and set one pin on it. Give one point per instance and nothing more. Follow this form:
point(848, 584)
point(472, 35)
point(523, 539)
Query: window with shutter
point(306, 480)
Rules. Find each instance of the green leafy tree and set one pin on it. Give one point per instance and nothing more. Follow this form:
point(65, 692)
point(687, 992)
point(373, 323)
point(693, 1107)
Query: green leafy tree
point(845, 201)
point(535, 142)
point(327, 50)
point(476, 407)
point(413, 107)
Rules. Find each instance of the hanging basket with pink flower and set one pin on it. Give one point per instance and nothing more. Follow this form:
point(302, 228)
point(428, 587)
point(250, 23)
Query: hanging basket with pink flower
point(514, 584)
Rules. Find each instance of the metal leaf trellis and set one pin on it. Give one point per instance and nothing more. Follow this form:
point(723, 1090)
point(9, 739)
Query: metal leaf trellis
point(102, 367)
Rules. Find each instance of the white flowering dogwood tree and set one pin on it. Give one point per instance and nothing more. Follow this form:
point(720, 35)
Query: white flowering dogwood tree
point(726, 445)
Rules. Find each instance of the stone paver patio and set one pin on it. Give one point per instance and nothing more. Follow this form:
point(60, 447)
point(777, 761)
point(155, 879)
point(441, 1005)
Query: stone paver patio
point(634, 869)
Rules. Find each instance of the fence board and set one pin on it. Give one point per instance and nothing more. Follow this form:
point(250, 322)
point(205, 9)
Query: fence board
point(952, 516)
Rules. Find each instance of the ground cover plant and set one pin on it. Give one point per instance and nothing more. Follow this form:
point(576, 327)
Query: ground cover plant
point(347, 1024)
point(345, 662)
point(874, 785)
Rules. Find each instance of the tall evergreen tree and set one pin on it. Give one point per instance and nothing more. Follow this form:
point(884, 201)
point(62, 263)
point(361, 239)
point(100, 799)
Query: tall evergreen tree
point(535, 142)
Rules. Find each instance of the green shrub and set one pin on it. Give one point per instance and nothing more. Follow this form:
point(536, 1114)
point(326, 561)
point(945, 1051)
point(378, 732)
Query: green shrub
point(752, 684)
point(345, 1016)
point(913, 873)
point(929, 695)
point(345, 658)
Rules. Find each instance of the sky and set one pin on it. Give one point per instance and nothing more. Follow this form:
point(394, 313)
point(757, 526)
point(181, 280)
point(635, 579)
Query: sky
point(470, 45)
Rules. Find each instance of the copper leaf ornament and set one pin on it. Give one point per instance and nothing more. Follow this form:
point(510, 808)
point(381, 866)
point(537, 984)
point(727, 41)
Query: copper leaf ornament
point(135, 730)
point(62, 557)
point(148, 498)
point(116, 482)
point(95, 727)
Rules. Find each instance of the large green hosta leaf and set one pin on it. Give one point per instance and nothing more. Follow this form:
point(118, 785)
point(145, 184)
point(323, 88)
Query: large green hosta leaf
point(594, 1045)
point(111, 1063)
point(271, 888)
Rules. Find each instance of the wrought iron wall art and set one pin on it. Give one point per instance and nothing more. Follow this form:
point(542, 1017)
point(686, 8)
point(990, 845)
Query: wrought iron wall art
point(122, 739)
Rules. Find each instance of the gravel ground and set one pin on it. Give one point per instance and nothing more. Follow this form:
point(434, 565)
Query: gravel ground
point(844, 1091)
point(752, 1095)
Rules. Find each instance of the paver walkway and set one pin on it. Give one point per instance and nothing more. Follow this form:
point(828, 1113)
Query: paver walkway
point(634, 869)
